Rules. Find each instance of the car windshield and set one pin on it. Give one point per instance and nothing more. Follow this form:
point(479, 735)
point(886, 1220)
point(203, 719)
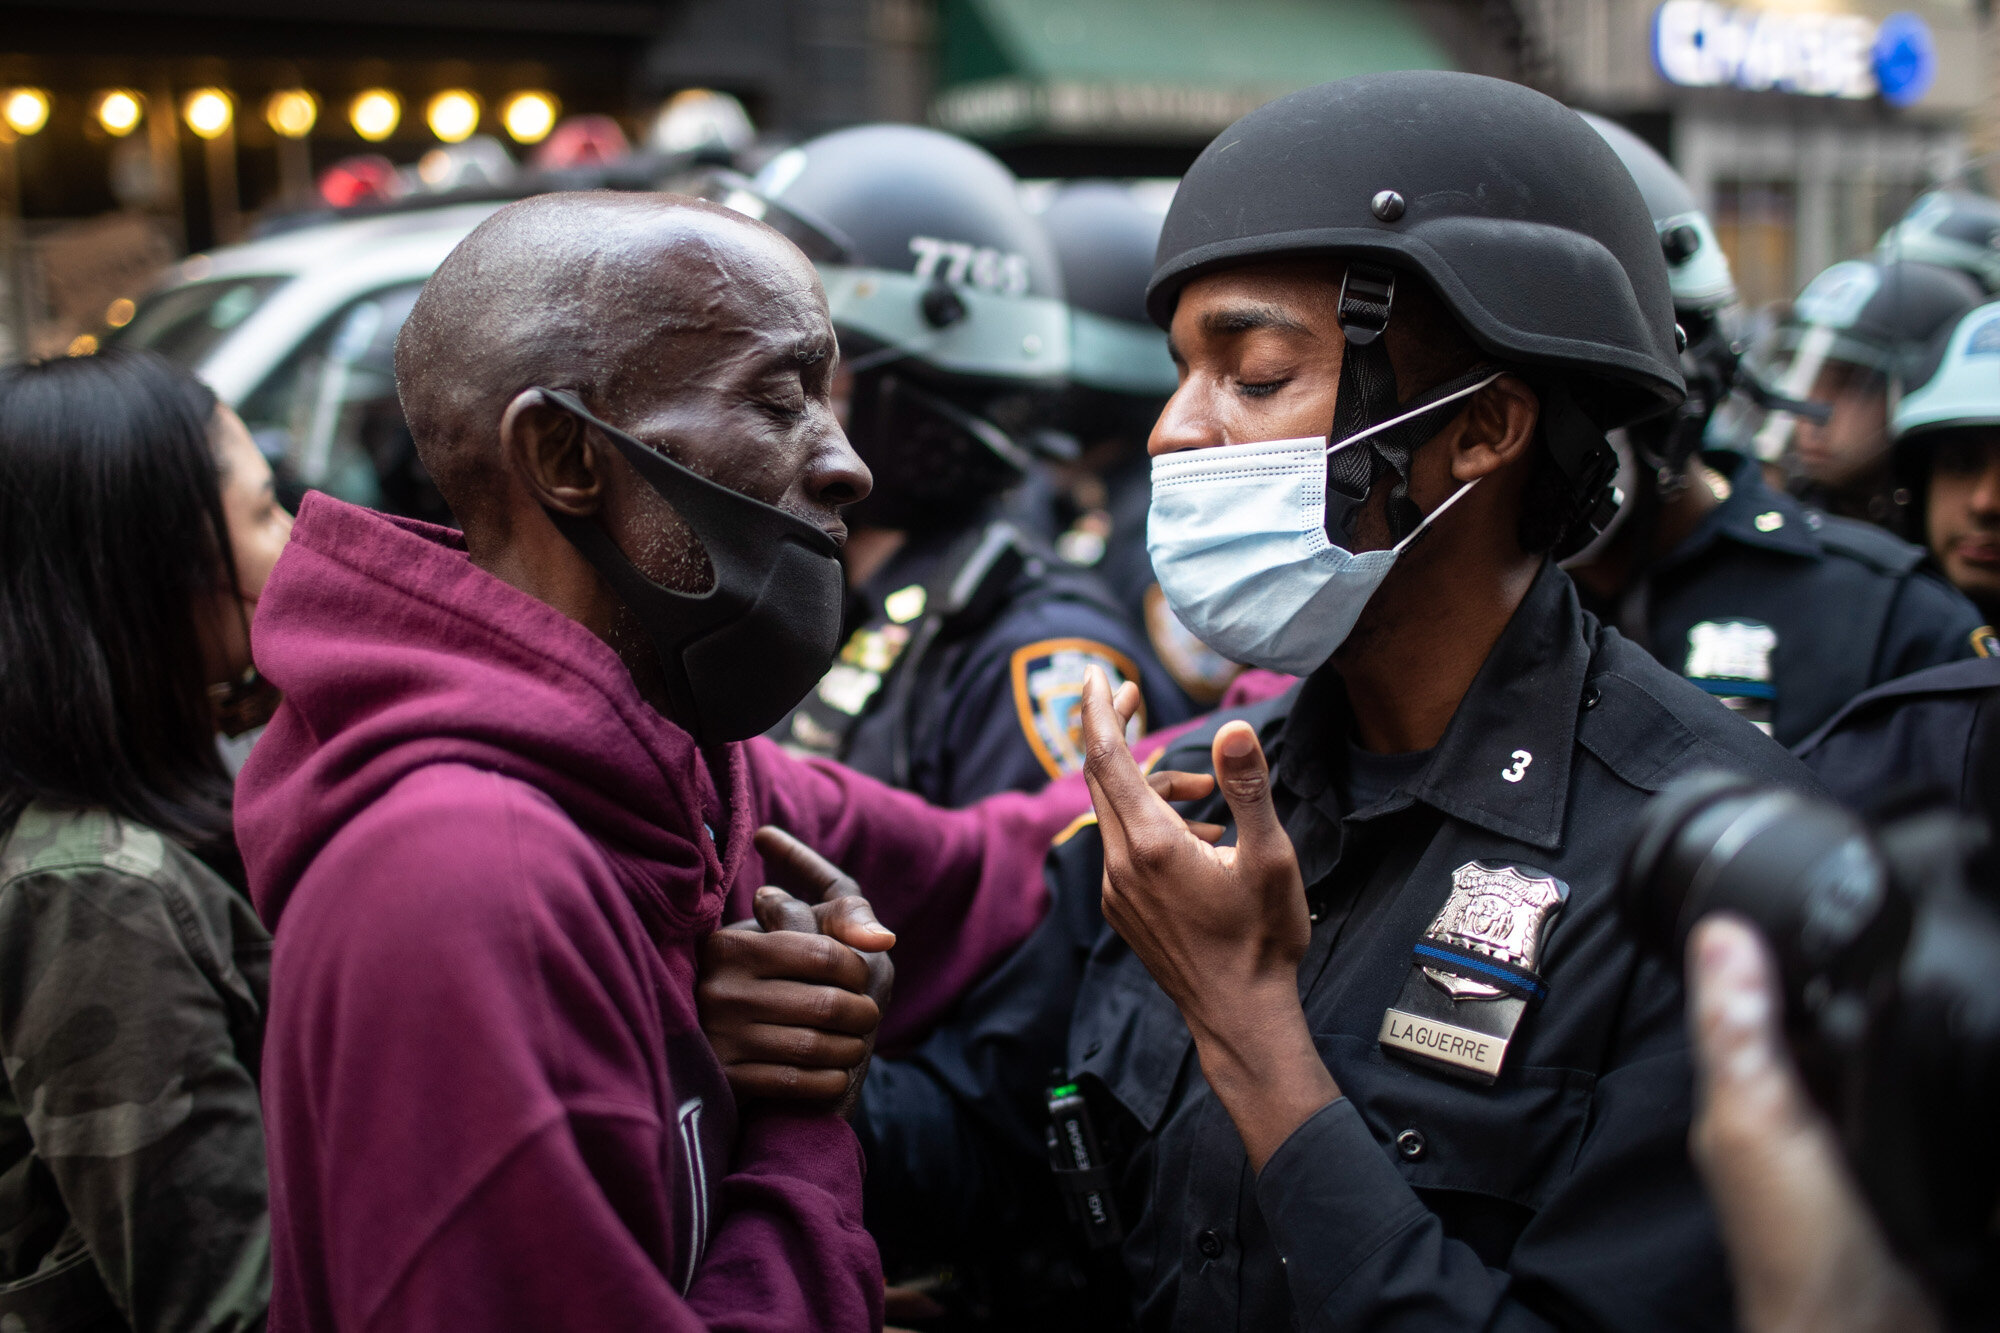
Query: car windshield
point(184, 323)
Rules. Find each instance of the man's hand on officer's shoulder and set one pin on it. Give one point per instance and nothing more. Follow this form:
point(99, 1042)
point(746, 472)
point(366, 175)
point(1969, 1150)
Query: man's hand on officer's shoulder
point(1804, 1249)
point(1222, 930)
point(791, 1000)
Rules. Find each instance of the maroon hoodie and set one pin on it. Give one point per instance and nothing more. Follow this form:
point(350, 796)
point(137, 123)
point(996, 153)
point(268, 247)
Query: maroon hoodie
point(488, 865)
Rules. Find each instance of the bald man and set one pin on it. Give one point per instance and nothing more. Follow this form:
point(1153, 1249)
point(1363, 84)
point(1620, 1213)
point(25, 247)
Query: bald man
point(503, 807)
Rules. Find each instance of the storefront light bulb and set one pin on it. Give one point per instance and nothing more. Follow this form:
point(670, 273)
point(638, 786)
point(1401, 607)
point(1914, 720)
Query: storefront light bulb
point(119, 313)
point(118, 111)
point(292, 112)
point(529, 117)
point(25, 110)
point(375, 114)
point(208, 112)
point(453, 115)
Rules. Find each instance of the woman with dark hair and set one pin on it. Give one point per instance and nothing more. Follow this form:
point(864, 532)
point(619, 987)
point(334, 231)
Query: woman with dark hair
point(137, 527)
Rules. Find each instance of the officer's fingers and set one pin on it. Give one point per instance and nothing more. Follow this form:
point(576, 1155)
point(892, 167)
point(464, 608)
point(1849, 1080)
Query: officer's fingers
point(778, 910)
point(1126, 700)
point(1172, 786)
point(1108, 765)
point(799, 868)
point(787, 1082)
point(1246, 785)
point(852, 921)
point(1208, 833)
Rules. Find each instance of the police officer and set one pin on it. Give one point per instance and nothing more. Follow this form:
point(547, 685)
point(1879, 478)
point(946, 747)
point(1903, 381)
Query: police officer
point(1947, 456)
point(1120, 377)
point(1386, 1055)
point(968, 638)
point(1953, 228)
point(1780, 611)
point(1934, 730)
point(1928, 730)
point(1860, 334)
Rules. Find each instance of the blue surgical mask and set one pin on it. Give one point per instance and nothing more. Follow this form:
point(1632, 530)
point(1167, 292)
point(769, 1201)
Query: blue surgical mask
point(1238, 537)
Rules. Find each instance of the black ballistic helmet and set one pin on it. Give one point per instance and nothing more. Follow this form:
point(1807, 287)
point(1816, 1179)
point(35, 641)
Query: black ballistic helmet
point(948, 301)
point(1506, 203)
point(1120, 372)
point(1518, 215)
point(1703, 291)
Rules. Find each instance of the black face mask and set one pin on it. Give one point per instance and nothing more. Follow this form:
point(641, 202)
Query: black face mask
point(737, 657)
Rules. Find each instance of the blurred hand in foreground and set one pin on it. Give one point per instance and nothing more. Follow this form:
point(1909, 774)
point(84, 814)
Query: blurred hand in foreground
point(1804, 1249)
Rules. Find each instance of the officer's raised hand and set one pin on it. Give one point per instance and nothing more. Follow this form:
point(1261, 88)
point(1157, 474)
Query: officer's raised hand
point(1222, 930)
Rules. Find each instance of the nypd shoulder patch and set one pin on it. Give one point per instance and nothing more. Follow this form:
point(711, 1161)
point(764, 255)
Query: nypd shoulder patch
point(1048, 697)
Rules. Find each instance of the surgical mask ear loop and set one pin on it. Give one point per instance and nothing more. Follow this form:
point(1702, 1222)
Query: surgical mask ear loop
point(1431, 517)
point(1422, 409)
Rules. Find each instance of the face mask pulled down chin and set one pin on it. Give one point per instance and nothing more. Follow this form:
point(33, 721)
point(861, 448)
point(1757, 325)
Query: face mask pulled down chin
point(736, 658)
point(1238, 537)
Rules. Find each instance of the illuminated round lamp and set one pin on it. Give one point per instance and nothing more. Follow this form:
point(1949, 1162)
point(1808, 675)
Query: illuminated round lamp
point(368, 178)
point(529, 116)
point(208, 112)
point(292, 112)
point(453, 115)
point(25, 110)
point(84, 344)
point(119, 111)
point(375, 114)
point(119, 313)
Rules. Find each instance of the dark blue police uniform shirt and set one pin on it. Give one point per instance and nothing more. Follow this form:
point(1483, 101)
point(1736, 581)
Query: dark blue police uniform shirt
point(1937, 730)
point(1559, 1196)
point(1789, 612)
point(990, 707)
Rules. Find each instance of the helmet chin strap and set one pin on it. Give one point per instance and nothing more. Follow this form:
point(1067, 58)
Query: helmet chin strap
point(1368, 397)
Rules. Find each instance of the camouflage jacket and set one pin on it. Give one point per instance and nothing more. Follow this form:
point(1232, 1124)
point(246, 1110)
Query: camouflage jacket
point(132, 991)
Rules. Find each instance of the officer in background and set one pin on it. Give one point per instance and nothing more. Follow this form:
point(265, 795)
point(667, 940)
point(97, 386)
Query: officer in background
point(1947, 456)
point(1860, 334)
point(1781, 612)
point(1393, 1058)
point(967, 638)
point(1929, 729)
point(1120, 377)
point(1952, 228)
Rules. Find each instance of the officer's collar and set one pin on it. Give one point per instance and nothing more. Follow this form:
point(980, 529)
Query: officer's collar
point(1523, 701)
point(1752, 515)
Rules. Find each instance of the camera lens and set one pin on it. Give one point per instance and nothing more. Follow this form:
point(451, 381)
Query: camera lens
point(1803, 871)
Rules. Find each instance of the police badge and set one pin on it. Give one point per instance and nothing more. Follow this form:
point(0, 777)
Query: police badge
point(1474, 971)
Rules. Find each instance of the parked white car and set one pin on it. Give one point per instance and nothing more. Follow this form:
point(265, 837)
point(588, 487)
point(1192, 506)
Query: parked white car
point(295, 331)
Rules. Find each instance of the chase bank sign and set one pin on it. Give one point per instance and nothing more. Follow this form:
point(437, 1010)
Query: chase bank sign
point(1702, 44)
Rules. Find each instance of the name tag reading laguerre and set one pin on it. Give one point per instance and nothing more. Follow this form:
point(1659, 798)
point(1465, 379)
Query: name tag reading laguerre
point(1480, 1052)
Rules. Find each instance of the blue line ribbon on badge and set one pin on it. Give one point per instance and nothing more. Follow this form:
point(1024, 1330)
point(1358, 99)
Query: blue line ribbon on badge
point(1516, 980)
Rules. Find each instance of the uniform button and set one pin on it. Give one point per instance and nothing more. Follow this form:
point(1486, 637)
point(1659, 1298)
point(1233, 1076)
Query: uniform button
point(1592, 696)
point(1209, 1244)
point(1410, 1145)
